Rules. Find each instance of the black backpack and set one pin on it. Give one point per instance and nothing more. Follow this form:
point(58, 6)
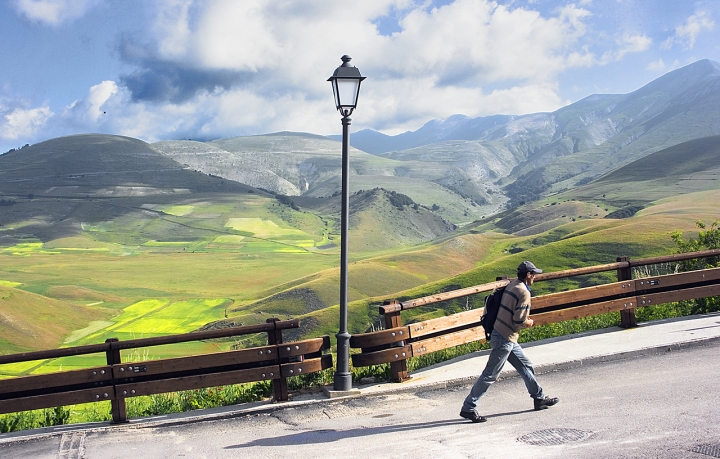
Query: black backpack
point(492, 306)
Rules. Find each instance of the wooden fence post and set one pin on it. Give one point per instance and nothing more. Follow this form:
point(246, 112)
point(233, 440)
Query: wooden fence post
point(627, 316)
point(279, 385)
point(117, 405)
point(398, 370)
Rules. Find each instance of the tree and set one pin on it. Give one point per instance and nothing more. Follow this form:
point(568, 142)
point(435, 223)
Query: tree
point(287, 200)
point(708, 239)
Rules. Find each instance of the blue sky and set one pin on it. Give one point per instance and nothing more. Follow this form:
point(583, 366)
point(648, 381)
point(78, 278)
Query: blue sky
point(180, 69)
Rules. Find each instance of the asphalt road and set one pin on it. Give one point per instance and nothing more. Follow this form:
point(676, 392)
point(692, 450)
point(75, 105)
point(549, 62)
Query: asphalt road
point(656, 406)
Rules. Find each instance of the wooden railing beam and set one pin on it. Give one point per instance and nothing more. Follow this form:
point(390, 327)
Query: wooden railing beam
point(118, 381)
point(624, 296)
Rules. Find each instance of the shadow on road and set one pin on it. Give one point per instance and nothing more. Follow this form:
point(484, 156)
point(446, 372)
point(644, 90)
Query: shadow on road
point(509, 413)
point(331, 435)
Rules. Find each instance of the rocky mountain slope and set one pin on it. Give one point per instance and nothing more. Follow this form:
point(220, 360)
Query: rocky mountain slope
point(297, 164)
point(550, 152)
point(475, 165)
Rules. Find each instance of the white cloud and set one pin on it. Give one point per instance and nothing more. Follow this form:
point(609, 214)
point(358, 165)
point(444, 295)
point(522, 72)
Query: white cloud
point(216, 68)
point(626, 43)
point(53, 12)
point(658, 65)
point(687, 33)
point(632, 43)
point(435, 66)
point(294, 39)
point(483, 42)
point(24, 123)
point(91, 108)
point(172, 26)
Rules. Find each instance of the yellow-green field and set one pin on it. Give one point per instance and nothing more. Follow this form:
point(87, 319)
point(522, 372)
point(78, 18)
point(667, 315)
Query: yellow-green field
point(144, 319)
point(75, 291)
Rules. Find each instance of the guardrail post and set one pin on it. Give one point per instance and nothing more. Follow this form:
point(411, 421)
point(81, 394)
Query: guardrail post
point(627, 316)
point(117, 405)
point(279, 386)
point(398, 370)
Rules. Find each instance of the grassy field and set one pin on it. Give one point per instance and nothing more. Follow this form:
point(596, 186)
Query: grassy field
point(259, 283)
point(581, 243)
point(162, 265)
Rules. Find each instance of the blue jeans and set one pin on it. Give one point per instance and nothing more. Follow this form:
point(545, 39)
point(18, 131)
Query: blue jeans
point(502, 351)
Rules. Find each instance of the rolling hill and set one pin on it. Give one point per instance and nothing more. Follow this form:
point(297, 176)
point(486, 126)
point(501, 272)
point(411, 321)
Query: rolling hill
point(673, 188)
point(98, 166)
point(77, 185)
point(112, 189)
point(29, 321)
point(91, 224)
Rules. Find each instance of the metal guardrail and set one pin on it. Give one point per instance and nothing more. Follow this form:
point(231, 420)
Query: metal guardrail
point(117, 381)
point(399, 342)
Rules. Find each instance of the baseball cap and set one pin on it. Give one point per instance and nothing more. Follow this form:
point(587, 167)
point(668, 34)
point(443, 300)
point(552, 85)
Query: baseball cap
point(528, 267)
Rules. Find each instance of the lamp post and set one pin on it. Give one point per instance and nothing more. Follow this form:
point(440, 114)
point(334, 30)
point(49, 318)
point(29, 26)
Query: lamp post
point(346, 88)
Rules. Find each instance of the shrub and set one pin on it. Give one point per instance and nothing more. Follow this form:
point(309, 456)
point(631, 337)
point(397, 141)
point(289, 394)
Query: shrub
point(34, 419)
point(708, 239)
point(400, 200)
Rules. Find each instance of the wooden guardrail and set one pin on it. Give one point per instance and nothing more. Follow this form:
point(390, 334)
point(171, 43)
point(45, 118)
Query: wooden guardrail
point(117, 381)
point(399, 342)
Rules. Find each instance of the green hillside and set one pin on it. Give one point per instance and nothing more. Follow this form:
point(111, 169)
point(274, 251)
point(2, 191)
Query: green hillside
point(688, 167)
point(117, 246)
point(100, 166)
point(32, 322)
point(684, 168)
point(581, 243)
point(567, 230)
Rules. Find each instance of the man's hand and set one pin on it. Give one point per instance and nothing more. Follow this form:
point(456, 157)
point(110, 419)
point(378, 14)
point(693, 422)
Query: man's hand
point(529, 322)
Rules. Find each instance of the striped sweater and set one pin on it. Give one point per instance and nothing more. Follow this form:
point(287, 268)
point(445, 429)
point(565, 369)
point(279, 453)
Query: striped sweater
point(514, 310)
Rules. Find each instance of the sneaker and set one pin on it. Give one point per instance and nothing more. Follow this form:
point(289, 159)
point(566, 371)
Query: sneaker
point(473, 416)
point(545, 402)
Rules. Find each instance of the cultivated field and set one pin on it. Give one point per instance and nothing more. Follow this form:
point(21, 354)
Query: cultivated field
point(144, 258)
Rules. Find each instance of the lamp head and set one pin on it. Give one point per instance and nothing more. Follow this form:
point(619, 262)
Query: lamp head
point(346, 86)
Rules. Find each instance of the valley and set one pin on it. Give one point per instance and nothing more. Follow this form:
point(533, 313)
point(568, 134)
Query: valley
point(107, 236)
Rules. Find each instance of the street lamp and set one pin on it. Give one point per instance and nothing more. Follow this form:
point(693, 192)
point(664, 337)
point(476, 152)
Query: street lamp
point(346, 88)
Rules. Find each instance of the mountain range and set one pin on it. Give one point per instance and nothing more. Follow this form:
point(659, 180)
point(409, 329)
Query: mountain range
point(460, 169)
point(481, 163)
point(550, 152)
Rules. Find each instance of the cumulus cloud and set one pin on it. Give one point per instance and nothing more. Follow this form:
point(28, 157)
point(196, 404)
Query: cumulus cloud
point(175, 82)
point(215, 68)
point(91, 108)
point(264, 63)
point(626, 43)
point(53, 12)
point(686, 34)
point(172, 26)
point(22, 123)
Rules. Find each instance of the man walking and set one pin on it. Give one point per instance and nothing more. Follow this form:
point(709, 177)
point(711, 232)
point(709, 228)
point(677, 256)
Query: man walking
point(512, 317)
